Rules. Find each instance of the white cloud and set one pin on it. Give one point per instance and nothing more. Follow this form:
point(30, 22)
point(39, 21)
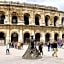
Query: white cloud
point(55, 3)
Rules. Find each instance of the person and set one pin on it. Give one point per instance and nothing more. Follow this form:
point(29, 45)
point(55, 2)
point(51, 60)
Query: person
point(55, 48)
point(22, 44)
point(40, 48)
point(18, 45)
point(63, 40)
point(60, 44)
point(32, 42)
point(48, 44)
point(7, 49)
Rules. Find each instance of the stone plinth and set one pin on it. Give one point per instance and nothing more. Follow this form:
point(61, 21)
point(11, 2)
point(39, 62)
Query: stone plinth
point(31, 53)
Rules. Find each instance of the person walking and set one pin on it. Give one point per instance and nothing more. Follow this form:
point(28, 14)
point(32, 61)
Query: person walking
point(7, 49)
point(40, 48)
point(32, 42)
point(22, 45)
point(55, 49)
point(48, 44)
point(51, 45)
point(18, 45)
point(60, 44)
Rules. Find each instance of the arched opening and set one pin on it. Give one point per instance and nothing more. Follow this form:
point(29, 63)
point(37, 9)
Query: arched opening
point(2, 38)
point(63, 38)
point(26, 37)
point(37, 17)
point(62, 35)
point(47, 37)
point(14, 19)
point(2, 18)
point(55, 20)
point(37, 36)
point(56, 36)
point(14, 37)
point(26, 19)
point(47, 17)
point(62, 21)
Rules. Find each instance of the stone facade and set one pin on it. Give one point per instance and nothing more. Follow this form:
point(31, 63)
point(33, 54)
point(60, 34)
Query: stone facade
point(18, 21)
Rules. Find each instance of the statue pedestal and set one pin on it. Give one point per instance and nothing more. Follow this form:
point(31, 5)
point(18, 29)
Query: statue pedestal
point(31, 53)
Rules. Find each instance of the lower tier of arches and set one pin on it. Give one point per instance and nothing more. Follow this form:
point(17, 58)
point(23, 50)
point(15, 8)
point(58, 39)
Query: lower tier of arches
point(16, 35)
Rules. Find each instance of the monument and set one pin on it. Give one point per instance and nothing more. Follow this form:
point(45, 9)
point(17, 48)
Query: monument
point(32, 52)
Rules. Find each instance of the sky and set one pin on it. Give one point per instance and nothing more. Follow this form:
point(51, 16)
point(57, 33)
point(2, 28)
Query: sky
point(55, 3)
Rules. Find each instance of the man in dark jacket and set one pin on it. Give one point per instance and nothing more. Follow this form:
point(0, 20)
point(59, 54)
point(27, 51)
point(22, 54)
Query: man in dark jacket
point(48, 44)
point(40, 48)
point(32, 42)
point(55, 48)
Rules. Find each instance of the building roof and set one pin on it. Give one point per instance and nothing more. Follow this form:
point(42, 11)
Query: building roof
point(11, 3)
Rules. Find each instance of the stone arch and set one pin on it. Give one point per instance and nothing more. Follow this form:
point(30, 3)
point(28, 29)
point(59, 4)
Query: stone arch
point(37, 17)
point(14, 30)
point(56, 35)
point(2, 38)
point(2, 17)
point(37, 36)
point(47, 37)
point(55, 20)
point(14, 37)
point(26, 37)
point(26, 18)
point(14, 18)
point(47, 17)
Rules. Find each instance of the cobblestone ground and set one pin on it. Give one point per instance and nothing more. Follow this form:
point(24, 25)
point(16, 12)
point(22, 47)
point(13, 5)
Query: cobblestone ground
point(15, 57)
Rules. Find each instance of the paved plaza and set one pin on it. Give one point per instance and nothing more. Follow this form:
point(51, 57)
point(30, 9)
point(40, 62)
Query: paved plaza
point(15, 57)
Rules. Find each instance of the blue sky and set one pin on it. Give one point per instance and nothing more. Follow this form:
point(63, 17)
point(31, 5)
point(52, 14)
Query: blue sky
point(55, 3)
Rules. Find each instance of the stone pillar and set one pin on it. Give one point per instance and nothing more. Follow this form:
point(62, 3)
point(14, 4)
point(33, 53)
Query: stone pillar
point(51, 20)
point(60, 35)
point(32, 33)
point(20, 17)
point(9, 18)
point(59, 22)
point(32, 18)
point(7, 36)
point(63, 23)
point(52, 35)
point(42, 38)
point(19, 21)
point(20, 37)
point(43, 20)
point(6, 20)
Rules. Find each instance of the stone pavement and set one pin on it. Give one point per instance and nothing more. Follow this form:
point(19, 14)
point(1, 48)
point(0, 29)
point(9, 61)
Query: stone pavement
point(15, 57)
